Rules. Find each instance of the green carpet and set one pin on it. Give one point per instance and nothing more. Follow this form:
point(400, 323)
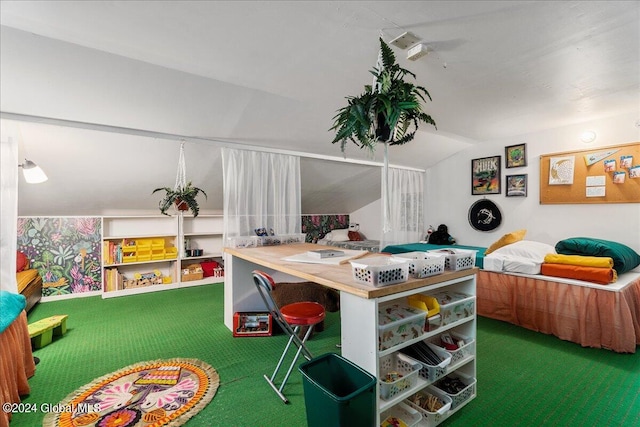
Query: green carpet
point(524, 378)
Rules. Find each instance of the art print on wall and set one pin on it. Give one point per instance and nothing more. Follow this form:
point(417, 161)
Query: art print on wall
point(515, 156)
point(516, 185)
point(561, 170)
point(67, 252)
point(485, 175)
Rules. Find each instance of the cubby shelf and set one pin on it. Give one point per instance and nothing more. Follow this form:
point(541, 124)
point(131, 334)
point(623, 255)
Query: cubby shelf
point(177, 232)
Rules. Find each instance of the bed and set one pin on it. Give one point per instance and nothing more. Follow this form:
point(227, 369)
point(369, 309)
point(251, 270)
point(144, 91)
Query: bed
point(590, 314)
point(30, 285)
point(29, 281)
point(349, 239)
point(16, 358)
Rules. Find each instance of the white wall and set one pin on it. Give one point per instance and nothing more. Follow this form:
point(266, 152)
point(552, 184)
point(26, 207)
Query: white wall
point(448, 191)
point(370, 219)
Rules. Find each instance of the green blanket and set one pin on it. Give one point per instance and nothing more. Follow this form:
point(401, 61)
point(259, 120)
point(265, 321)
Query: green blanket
point(11, 305)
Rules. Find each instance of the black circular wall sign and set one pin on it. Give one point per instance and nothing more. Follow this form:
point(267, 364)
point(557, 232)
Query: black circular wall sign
point(484, 215)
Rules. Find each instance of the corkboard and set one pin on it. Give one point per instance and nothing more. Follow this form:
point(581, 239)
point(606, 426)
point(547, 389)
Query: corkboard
point(590, 183)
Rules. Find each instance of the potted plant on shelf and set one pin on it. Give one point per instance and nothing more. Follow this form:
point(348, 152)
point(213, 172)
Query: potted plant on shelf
point(184, 198)
point(388, 111)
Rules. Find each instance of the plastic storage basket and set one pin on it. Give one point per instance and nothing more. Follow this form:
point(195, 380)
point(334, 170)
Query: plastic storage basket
point(432, 417)
point(428, 371)
point(380, 271)
point(463, 351)
point(457, 259)
point(423, 264)
point(461, 396)
point(397, 373)
point(401, 412)
point(398, 323)
point(454, 306)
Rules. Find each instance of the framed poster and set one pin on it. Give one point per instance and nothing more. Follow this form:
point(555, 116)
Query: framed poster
point(515, 155)
point(485, 175)
point(516, 185)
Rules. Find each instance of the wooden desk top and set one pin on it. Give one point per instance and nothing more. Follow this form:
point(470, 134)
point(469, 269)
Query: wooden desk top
point(338, 277)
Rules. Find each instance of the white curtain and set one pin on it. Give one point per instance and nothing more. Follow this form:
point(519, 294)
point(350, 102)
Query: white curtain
point(9, 213)
point(261, 190)
point(404, 201)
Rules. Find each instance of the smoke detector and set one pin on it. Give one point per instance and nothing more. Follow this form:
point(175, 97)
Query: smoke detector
point(417, 51)
point(405, 40)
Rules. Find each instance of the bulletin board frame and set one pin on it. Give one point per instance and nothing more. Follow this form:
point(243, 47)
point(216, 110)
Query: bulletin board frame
point(587, 180)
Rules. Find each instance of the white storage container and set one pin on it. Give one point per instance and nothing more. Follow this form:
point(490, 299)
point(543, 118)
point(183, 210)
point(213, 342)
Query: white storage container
point(454, 306)
point(243, 241)
point(380, 271)
point(400, 412)
point(398, 372)
point(430, 372)
point(398, 323)
point(432, 417)
point(423, 264)
point(457, 259)
point(461, 396)
point(462, 352)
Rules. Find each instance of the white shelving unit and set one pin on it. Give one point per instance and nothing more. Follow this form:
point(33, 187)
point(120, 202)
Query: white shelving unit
point(361, 352)
point(204, 231)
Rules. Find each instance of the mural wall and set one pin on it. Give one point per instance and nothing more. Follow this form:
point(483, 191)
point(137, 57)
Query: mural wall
point(67, 252)
point(316, 226)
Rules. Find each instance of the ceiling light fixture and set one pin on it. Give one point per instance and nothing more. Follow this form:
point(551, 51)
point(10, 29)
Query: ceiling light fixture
point(404, 40)
point(418, 51)
point(33, 174)
point(588, 136)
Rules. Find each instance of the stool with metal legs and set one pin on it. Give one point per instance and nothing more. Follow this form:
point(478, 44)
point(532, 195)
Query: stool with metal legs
point(290, 317)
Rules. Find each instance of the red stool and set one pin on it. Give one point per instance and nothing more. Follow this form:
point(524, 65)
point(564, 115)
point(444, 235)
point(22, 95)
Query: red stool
point(290, 318)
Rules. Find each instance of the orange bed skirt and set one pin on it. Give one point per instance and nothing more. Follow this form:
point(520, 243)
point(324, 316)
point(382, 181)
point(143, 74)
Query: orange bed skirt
point(589, 316)
point(16, 364)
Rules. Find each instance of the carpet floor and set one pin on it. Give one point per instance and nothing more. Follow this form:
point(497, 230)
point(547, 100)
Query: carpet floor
point(523, 377)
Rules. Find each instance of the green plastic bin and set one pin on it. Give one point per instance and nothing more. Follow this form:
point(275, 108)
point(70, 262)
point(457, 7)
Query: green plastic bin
point(338, 392)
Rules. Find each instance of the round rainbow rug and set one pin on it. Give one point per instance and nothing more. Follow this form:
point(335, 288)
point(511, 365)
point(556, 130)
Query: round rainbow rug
point(147, 394)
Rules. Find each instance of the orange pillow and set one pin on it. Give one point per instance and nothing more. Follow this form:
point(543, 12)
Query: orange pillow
point(505, 240)
point(22, 262)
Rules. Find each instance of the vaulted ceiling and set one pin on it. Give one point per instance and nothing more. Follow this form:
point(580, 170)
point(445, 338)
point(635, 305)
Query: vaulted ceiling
point(274, 73)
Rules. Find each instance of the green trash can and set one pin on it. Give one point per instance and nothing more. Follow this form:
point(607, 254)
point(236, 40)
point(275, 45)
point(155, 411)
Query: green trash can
point(338, 392)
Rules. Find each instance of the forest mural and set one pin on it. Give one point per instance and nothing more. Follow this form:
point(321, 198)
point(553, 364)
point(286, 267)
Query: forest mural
point(66, 251)
point(316, 226)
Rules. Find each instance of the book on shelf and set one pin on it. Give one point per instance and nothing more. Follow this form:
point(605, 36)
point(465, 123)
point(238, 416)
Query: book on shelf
point(113, 280)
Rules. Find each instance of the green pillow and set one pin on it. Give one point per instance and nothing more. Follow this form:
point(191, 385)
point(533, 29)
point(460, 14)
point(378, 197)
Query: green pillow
point(624, 258)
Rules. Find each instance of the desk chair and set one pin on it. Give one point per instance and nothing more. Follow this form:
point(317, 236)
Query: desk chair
point(290, 317)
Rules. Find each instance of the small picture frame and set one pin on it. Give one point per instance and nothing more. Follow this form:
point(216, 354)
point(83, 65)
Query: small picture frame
point(516, 185)
point(515, 155)
point(485, 175)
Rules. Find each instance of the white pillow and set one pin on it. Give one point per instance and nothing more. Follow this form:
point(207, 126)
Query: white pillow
point(341, 235)
point(534, 251)
point(516, 264)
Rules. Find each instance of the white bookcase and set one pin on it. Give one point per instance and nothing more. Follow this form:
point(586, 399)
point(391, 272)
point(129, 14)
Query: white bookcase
point(168, 235)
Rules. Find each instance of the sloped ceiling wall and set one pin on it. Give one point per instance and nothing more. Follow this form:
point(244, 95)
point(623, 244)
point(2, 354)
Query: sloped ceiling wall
point(272, 74)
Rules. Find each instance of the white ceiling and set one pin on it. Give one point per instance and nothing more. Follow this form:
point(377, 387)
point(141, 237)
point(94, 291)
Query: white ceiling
point(496, 69)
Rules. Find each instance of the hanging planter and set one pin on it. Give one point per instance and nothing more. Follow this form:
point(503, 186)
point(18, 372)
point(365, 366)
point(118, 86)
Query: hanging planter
point(388, 111)
point(183, 195)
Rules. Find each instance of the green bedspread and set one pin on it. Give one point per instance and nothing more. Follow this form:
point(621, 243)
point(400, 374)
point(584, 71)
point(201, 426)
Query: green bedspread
point(423, 247)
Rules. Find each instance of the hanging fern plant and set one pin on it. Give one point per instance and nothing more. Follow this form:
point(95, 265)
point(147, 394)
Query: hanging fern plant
point(389, 111)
